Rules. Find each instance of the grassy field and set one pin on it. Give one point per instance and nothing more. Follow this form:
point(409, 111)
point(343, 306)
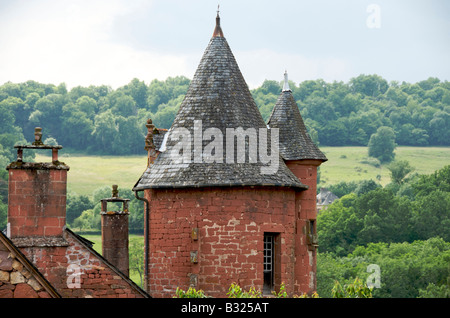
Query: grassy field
point(88, 173)
point(345, 163)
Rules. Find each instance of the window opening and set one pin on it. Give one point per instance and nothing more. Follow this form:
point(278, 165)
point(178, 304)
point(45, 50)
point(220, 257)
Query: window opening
point(269, 261)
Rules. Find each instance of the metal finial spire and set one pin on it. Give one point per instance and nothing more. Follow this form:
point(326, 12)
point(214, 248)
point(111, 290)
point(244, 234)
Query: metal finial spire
point(218, 30)
point(286, 87)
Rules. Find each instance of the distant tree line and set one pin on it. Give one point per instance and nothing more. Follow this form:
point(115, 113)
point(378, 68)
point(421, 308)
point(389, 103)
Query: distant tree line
point(100, 120)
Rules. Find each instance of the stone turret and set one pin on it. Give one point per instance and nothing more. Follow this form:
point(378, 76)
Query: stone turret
point(303, 158)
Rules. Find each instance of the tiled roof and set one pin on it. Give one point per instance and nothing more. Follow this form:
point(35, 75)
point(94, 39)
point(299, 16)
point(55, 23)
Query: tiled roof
point(295, 142)
point(219, 97)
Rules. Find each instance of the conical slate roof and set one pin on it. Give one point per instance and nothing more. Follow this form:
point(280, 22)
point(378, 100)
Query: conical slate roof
point(295, 141)
point(218, 99)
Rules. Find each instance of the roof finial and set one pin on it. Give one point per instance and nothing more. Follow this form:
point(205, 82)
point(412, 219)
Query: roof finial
point(286, 82)
point(218, 30)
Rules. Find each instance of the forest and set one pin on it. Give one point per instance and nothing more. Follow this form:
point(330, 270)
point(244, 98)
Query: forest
point(100, 120)
point(403, 227)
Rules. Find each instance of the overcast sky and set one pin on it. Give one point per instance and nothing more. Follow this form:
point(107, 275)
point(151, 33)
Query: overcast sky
point(84, 42)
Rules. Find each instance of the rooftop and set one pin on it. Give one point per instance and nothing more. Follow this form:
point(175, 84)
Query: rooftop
point(295, 141)
point(218, 98)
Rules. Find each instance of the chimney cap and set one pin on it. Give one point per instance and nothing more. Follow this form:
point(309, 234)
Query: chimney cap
point(37, 143)
point(115, 195)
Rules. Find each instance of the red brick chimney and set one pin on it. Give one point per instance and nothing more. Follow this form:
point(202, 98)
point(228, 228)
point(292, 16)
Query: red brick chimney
point(37, 196)
point(115, 232)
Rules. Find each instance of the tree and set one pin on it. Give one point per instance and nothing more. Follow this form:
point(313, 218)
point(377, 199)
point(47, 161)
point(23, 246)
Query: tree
point(138, 91)
point(77, 128)
point(76, 204)
point(431, 216)
point(399, 170)
point(382, 144)
point(104, 130)
point(87, 105)
point(369, 85)
point(129, 138)
point(136, 255)
point(3, 214)
point(124, 106)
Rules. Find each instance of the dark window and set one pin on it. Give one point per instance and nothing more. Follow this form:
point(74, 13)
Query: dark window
point(271, 259)
point(311, 235)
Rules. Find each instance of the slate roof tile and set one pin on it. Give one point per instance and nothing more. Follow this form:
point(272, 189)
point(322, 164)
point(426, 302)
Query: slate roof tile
point(295, 141)
point(219, 97)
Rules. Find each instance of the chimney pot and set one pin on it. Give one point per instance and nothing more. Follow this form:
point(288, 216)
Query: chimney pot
point(115, 232)
point(38, 136)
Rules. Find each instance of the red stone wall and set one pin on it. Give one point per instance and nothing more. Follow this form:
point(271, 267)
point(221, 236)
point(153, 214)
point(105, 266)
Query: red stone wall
point(231, 223)
point(305, 267)
point(75, 272)
point(15, 280)
point(37, 202)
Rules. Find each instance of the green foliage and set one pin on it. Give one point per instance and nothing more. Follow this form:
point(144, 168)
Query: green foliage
point(414, 229)
point(354, 290)
point(190, 293)
point(382, 144)
point(235, 291)
point(281, 293)
point(75, 205)
point(407, 270)
point(136, 257)
point(399, 170)
point(3, 214)
point(100, 120)
point(370, 213)
point(84, 214)
point(434, 291)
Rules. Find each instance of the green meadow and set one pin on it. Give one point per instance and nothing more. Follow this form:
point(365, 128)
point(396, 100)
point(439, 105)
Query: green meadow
point(88, 173)
point(349, 163)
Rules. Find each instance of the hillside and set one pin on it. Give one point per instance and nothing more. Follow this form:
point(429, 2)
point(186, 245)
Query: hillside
point(88, 173)
point(348, 163)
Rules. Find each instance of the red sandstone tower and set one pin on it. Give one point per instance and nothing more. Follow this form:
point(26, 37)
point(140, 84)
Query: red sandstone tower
point(212, 221)
point(302, 157)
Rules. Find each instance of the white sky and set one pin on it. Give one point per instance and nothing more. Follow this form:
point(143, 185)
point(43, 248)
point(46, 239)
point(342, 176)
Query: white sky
point(84, 42)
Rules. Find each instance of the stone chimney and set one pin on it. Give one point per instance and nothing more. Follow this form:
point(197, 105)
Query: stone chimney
point(37, 198)
point(115, 232)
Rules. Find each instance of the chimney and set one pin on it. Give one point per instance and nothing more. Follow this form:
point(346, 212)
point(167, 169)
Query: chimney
point(115, 232)
point(37, 198)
